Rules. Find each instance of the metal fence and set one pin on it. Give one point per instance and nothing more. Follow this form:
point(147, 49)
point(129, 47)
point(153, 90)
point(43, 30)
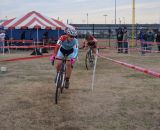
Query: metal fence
point(110, 30)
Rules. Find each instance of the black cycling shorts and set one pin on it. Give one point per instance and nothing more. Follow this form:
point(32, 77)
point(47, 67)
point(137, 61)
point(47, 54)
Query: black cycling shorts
point(66, 52)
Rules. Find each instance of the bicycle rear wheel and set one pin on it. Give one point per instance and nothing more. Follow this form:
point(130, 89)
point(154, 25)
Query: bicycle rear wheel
point(89, 60)
point(92, 60)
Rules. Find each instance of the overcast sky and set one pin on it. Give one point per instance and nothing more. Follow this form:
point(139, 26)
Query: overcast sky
point(147, 11)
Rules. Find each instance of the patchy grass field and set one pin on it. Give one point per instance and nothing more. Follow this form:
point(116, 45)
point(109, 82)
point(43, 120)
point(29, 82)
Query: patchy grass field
point(122, 99)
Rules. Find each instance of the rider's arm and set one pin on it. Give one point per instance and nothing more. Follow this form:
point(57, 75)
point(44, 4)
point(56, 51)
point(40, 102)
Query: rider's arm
point(58, 44)
point(94, 39)
point(84, 43)
point(76, 50)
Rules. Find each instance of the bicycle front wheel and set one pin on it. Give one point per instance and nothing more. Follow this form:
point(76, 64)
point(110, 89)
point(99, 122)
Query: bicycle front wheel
point(63, 82)
point(58, 87)
point(89, 60)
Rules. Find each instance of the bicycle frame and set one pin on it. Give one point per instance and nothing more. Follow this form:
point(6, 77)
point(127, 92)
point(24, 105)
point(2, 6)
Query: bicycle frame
point(62, 70)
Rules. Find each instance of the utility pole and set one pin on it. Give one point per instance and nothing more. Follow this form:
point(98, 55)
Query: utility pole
point(87, 18)
point(123, 20)
point(115, 11)
point(133, 21)
point(105, 15)
point(119, 20)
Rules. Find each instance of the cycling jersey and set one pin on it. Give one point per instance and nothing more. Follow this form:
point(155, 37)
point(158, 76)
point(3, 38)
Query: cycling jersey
point(91, 41)
point(67, 47)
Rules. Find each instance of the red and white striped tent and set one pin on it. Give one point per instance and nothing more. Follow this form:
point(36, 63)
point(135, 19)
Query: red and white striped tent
point(34, 20)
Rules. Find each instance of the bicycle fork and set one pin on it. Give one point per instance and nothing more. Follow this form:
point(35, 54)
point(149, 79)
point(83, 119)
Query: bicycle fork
point(60, 78)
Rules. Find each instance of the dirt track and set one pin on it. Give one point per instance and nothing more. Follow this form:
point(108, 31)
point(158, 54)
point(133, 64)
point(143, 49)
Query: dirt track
point(122, 98)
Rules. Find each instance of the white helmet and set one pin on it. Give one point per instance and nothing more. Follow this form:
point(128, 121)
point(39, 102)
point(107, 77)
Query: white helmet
point(71, 32)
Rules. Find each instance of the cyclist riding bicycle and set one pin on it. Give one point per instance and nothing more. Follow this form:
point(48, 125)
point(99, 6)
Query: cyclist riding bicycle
point(66, 45)
point(90, 40)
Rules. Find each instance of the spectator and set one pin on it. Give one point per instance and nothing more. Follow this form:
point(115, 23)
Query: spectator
point(125, 41)
point(150, 39)
point(142, 38)
point(158, 40)
point(2, 40)
point(6, 42)
point(120, 40)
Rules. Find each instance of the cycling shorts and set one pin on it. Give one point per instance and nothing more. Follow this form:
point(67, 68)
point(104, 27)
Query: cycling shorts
point(61, 52)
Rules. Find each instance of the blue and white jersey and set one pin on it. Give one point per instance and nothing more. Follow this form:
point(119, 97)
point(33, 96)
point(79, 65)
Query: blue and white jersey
point(68, 45)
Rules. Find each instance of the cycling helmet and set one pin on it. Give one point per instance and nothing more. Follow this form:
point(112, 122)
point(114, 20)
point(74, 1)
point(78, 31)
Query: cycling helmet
point(71, 32)
point(88, 33)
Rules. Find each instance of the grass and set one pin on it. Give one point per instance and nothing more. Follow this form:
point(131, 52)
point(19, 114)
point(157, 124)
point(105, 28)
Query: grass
point(122, 99)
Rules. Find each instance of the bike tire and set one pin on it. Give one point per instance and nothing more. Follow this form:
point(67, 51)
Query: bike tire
point(63, 75)
point(60, 82)
point(58, 87)
point(87, 61)
point(63, 83)
point(92, 60)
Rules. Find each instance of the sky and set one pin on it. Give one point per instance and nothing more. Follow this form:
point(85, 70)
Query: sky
point(75, 11)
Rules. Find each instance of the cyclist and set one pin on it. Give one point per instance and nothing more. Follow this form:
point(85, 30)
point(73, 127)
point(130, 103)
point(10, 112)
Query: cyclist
point(90, 40)
point(66, 45)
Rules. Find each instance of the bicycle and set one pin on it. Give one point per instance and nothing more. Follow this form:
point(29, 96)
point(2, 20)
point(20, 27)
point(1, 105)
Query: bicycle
point(60, 79)
point(90, 58)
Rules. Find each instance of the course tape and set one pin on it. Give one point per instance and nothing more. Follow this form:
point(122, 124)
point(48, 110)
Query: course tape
point(24, 58)
point(129, 41)
point(27, 47)
point(18, 41)
point(144, 70)
point(130, 49)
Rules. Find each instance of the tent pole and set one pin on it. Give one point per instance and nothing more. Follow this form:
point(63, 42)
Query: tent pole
point(37, 41)
point(58, 33)
point(8, 46)
point(37, 36)
point(11, 37)
point(3, 46)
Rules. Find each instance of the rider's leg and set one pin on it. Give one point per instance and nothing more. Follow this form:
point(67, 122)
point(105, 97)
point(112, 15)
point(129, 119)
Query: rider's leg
point(94, 50)
point(58, 64)
point(69, 69)
point(58, 60)
point(94, 47)
point(68, 73)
